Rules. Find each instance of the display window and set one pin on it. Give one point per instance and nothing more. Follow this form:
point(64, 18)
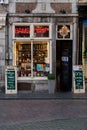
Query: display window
point(32, 58)
point(32, 49)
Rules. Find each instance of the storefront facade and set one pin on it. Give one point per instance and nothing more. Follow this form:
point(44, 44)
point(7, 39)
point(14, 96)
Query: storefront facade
point(42, 41)
point(82, 8)
point(32, 50)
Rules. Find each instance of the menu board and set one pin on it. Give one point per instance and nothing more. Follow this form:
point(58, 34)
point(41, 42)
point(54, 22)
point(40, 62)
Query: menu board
point(11, 80)
point(79, 82)
point(79, 79)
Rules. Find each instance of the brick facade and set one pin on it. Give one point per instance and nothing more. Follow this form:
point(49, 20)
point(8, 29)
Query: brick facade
point(59, 6)
point(21, 7)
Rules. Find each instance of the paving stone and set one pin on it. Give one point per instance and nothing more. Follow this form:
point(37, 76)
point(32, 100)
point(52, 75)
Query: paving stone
point(43, 114)
point(66, 124)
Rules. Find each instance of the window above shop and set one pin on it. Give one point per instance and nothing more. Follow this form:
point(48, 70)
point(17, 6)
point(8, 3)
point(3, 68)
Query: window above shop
point(41, 31)
point(32, 31)
point(22, 31)
point(64, 32)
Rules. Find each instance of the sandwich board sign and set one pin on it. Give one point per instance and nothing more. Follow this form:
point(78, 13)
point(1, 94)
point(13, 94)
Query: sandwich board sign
point(11, 80)
point(78, 79)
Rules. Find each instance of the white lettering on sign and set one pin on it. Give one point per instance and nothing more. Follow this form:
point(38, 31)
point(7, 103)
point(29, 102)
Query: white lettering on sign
point(65, 58)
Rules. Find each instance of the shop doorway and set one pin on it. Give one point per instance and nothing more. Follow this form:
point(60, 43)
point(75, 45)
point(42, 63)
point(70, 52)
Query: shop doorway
point(64, 65)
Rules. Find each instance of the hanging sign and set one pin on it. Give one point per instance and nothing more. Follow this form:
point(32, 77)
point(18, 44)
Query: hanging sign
point(78, 78)
point(11, 80)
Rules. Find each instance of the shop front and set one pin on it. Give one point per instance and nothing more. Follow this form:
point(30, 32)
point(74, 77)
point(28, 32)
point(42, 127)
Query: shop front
point(82, 7)
point(32, 52)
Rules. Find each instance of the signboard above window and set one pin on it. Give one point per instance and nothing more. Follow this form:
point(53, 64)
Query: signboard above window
point(64, 32)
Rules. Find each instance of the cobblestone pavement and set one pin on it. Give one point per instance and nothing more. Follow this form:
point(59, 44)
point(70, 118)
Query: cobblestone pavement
point(43, 114)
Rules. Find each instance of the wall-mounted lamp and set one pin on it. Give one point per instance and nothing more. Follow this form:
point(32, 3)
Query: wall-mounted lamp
point(1, 2)
point(27, 11)
point(63, 11)
point(4, 2)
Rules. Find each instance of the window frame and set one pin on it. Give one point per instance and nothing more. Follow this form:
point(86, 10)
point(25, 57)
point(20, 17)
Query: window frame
point(32, 30)
point(63, 37)
point(31, 39)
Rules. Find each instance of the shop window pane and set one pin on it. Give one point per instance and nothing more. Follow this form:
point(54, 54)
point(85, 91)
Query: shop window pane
point(23, 59)
point(40, 59)
point(22, 31)
point(41, 31)
point(32, 59)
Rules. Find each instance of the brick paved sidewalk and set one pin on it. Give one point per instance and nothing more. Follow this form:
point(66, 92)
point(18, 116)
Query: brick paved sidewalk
point(43, 114)
point(65, 124)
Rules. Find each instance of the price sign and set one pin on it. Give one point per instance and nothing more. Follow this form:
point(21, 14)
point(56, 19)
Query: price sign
point(11, 80)
point(79, 83)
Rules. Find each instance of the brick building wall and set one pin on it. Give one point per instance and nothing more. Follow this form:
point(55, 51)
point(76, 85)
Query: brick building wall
point(21, 7)
point(59, 6)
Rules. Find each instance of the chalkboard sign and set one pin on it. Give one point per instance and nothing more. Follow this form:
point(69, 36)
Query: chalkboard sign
point(79, 79)
point(11, 80)
point(79, 82)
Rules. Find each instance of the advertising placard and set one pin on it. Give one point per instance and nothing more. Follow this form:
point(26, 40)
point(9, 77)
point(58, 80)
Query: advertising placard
point(78, 79)
point(11, 80)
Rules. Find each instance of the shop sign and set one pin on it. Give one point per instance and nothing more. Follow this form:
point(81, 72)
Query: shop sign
point(22, 31)
point(41, 31)
point(10, 80)
point(79, 84)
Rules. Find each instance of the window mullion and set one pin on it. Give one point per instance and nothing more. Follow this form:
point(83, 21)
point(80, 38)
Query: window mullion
point(31, 58)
